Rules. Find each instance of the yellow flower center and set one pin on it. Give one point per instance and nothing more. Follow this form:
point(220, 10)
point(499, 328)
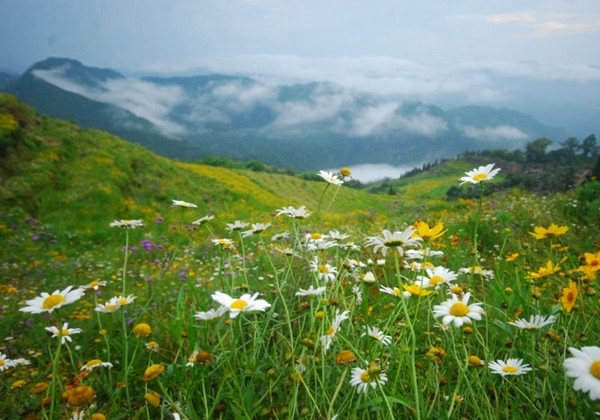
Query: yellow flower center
point(323, 269)
point(2, 362)
point(93, 362)
point(123, 301)
point(435, 280)
point(509, 369)
point(480, 176)
point(365, 377)
point(52, 301)
point(239, 304)
point(345, 171)
point(110, 307)
point(64, 332)
point(595, 369)
point(330, 331)
point(459, 309)
point(316, 236)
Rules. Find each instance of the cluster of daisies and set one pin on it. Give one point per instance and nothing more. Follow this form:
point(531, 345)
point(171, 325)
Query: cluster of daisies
point(406, 245)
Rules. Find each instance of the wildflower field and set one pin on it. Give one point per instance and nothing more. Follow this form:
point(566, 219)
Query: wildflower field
point(479, 309)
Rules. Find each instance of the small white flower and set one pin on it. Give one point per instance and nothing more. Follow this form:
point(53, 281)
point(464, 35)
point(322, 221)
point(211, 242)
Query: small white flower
point(535, 322)
point(211, 314)
point(330, 177)
point(378, 335)
point(327, 339)
point(437, 276)
point(324, 271)
point(47, 303)
point(64, 333)
point(311, 291)
point(458, 311)
point(256, 229)
point(369, 277)
point(363, 378)
point(244, 303)
point(5, 363)
point(483, 173)
point(179, 203)
point(235, 226)
point(584, 366)
point(203, 220)
point(398, 240)
point(95, 363)
point(510, 367)
point(299, 213)
point(127, 224)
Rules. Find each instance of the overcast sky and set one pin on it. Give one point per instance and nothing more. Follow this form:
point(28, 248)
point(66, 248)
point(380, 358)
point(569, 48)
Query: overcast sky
point(379, 36)
point(422, 49)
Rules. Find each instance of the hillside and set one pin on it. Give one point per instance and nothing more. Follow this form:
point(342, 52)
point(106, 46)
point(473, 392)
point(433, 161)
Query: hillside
point(54, 170)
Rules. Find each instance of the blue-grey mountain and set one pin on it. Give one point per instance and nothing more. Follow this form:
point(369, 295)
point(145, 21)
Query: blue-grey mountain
point(299, 126)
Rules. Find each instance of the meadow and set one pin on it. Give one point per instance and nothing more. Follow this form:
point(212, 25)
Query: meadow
point(282, 298)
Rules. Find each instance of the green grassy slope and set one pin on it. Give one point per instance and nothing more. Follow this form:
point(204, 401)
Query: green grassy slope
point(54, 170)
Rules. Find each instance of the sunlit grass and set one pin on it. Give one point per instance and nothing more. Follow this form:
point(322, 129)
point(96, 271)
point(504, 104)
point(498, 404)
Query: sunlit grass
point(277, 362)
point(318, 314)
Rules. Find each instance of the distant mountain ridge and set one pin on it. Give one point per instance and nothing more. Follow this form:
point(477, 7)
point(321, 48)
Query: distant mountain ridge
point(301, 126)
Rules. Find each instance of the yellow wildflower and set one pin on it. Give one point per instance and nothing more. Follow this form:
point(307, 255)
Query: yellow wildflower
point(552, 231)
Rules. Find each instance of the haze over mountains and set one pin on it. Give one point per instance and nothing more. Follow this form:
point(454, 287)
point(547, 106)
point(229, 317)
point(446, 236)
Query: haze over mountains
point(303, 126)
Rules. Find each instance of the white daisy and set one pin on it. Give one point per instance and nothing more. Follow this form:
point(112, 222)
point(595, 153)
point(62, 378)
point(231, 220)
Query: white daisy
point(437, 276)
point(483, 173)
point(244, 303)
point(510, 367)
point(235, 226)
point(64, 333)
point(327, 339)
point(256, 229)
point(337, 236)
point(584, 366)
point(127, 224)
point(5, 363)
point(203, 220)
point(363, 378)
point(179, 203)
point(480, 271)
point(330, 177)
point(210, 314)
point(299, 213)
point(458, 311)
point(398, 240)
point(378, 335)
point(535, 322)
point(369, 277)
point(311, 291)
point(280, 236)
point(95, 363)
point(324, 271)
point(48, 303)
point(224, 243)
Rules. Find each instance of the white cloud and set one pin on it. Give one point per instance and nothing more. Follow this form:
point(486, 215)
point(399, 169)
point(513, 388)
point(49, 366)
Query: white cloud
point(143, 99)
point(240, 97)
point(323, 105)
point(420, 123)
point(367, 120)
point(501, 132)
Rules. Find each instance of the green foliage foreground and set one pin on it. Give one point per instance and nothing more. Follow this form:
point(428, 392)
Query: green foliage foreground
point(145, 337)
point(291, 312)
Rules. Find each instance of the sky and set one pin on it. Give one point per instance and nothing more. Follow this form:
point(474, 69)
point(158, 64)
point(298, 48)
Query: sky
point(444, 51)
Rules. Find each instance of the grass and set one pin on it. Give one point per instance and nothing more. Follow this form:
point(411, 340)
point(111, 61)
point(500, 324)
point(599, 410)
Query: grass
point(294, 356)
